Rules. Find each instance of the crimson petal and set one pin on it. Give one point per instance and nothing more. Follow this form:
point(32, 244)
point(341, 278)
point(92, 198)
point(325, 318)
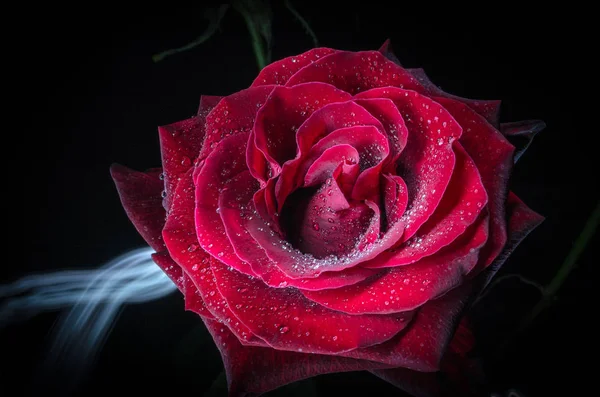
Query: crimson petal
point(427, 162)
point(387, 113)
point(171, 268)
point(279, 72)
point(182, 244)
point(489, 109)
point(409, 287)
point(521, 133)
point(233, 209)
point(283, 112)
point(286, 320)
point(322, 222)
point(180, 144)
point(207, 103)
point(226, 161)
point(356, 71)
point(460, 206)
point(193, 299)
point(423, 344)
point(521, 221)
point(252, 371)
point(493, 156)
point(140, 195)
point(395, 198)
point(329, 119)
point(232, 115)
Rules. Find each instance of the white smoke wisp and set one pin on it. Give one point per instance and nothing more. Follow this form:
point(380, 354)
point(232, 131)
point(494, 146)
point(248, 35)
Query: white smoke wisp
point(91, 300)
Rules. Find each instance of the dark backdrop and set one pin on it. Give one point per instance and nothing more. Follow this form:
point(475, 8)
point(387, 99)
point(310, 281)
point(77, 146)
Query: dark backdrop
point(85, 93)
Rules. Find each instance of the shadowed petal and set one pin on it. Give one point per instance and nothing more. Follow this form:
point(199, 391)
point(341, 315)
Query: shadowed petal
point(140, 195)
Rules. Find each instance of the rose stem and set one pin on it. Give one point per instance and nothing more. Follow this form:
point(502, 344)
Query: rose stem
point(549, 292)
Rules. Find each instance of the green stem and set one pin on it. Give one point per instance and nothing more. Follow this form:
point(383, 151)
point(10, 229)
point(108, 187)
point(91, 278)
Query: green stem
point(549, 292)
point(214, 17)
point(257, 44)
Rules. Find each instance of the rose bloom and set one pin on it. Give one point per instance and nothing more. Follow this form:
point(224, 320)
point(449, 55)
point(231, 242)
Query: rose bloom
point(337, 215)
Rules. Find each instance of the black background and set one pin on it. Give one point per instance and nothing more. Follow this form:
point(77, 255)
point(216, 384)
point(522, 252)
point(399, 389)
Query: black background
point(83, 93)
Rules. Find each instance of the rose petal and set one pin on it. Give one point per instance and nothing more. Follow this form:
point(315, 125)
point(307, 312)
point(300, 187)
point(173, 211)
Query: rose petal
point(279, 72)
point(332, 118)
point(493, 156)
point(460, 206)
point(222, 164)
point(423, 344)
point(395, 199)
point(295, 264)
point(207, 103)
point(233, 204)
point(286, 320)
point(182, 244)
point(171, 269)
point(356, 71)
point(233, 114)
point(427, 162)
point(408, 287)
point(193, 299)
point(387, 113)
point(283, 112)
point(490, 109)
point(521, 133)
point(256, 370)
point(458, 375)
point(521, 221)
point(140, 195)
point(180, 144)
point(386, 50)
point(332, 158)
point(321, 222)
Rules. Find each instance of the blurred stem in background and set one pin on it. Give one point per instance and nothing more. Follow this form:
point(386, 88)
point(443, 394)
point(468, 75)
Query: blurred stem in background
point(258, 16)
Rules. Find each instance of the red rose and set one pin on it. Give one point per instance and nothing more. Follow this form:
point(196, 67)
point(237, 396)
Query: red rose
point(331, 217)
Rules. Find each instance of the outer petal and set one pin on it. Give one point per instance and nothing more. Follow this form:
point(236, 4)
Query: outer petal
point(521, 133)
point(279, 72)
point(207, 103)
point(427, 162)
point(288, 321)
point(459, 374)
point(140, 195)
point(459, 208)
point(356, 71)
point(488, 109)
point(252, 371)
point(233, 114)
point(493, 156)
point(423, 344)
point(408, 287)
point(171, 269)
point(183, 247)
point(521, 221)
point(180, 144)
point(225, 162)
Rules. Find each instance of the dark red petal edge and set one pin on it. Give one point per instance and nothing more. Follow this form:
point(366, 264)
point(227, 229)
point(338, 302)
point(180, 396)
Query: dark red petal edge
point(252, 371)
point(140, 195)
point(521, 221)
point(279, 72)
point(521, 133)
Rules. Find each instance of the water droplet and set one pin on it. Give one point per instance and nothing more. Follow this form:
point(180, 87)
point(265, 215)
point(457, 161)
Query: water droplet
point(284, 330)
point(192, 247)
point(316, 226)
